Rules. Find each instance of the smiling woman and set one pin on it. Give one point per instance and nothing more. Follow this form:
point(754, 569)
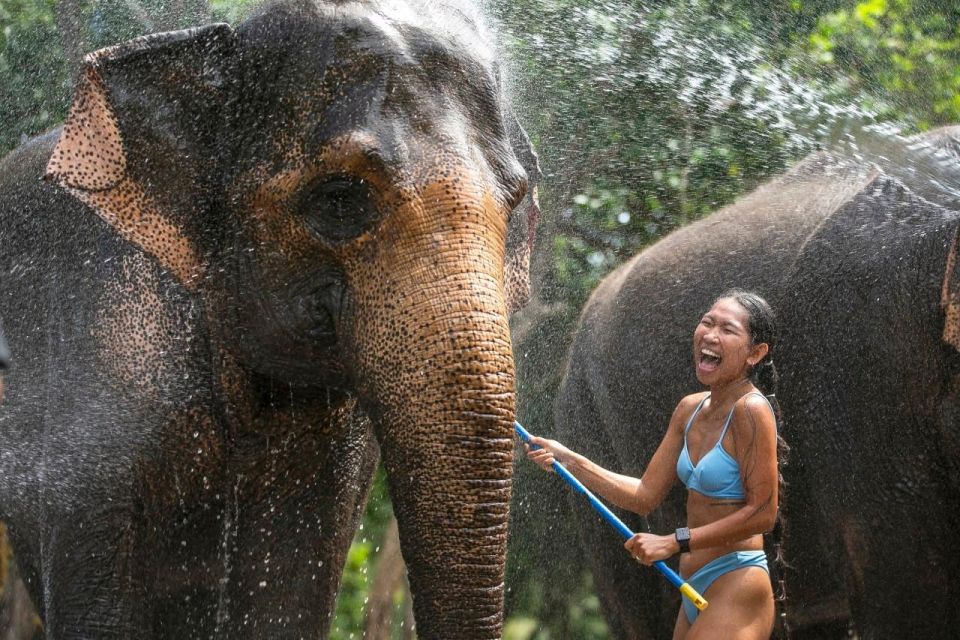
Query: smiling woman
point(722, 445)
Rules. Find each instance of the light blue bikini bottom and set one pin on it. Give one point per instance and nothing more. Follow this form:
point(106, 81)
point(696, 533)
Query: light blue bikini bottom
point(704, 577)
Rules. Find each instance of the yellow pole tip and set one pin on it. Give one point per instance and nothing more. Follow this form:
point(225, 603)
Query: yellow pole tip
point(698, 601)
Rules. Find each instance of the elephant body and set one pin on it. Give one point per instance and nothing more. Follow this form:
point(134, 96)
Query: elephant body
point(858, 261)
point(261, 258)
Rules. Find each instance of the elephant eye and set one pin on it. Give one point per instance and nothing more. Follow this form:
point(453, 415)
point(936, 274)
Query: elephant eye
point(337, 208)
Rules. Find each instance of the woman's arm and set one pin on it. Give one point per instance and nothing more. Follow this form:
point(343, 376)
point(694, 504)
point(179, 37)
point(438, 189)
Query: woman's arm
point(640, 495)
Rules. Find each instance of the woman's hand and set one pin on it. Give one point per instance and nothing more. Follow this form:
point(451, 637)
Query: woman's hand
point(647, 548)
point(549, 451)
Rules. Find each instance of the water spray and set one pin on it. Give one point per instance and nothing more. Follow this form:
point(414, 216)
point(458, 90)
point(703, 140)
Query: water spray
point(698, 601)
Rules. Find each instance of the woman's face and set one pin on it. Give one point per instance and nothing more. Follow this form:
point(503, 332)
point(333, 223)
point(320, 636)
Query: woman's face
point(722, 348)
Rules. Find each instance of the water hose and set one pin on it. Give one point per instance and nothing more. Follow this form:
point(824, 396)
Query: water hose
point(698, 601)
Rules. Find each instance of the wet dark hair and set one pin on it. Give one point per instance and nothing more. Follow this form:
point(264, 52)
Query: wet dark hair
point(763, 328)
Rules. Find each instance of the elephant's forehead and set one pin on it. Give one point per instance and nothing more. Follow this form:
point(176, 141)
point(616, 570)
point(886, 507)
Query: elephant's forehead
point(347, 70)
point(392, 34)
point(433, 23)
point(451, 20)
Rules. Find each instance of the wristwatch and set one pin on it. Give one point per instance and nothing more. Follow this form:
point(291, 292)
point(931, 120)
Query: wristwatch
point(683, 539)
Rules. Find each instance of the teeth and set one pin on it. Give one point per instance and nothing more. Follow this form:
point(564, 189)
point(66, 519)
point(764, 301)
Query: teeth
point(707, 352)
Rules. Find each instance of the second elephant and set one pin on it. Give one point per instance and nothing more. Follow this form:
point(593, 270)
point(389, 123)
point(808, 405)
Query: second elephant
point(860, 262)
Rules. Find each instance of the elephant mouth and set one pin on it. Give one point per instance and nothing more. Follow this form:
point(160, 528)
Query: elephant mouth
point(324, 312)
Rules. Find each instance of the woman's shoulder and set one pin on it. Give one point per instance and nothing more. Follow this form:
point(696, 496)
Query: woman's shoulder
point(691, 401)
point(753, 408)
point(753, 400)
point(688, 404)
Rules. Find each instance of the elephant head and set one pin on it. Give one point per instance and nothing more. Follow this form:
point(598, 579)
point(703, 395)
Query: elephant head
point(340, 185)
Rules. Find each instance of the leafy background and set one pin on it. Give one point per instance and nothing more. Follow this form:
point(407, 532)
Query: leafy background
point(646, 116)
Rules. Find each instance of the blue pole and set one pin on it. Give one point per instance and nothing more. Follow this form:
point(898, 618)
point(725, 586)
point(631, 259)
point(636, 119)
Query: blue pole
point(618, 524)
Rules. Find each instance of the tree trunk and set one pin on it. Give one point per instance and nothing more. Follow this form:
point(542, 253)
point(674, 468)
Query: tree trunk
point(19, 619)
point(391, 576)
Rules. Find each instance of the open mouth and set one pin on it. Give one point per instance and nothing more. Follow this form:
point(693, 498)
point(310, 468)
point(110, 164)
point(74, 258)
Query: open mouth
point(709, 360)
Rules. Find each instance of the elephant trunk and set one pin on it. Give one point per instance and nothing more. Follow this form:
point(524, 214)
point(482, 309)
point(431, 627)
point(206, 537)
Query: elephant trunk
point(436, 365)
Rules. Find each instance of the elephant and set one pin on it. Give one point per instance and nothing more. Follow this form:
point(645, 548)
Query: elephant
point(858, 257)
point(253, 262)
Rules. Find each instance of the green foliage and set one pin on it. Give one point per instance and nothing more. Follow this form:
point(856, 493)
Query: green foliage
point(43, 41)
point(232, 11)
point(349, 618)
point(34, 86)
point(578, 616)
point(645, 132)
point(903, 56)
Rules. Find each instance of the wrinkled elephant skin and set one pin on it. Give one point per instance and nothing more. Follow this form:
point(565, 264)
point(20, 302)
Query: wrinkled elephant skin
point(860, 263)
point(261, 258)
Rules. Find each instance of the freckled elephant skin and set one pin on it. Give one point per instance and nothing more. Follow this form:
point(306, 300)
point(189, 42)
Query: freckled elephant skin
point(262, 258)
point(856, 262)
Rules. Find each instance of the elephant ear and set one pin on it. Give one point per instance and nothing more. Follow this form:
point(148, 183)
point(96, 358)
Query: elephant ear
point(523, 225)
point(946, 141)
point(950, 296)
point(141, 142)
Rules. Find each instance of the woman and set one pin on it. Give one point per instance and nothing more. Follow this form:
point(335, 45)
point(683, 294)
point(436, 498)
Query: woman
point(722, 444)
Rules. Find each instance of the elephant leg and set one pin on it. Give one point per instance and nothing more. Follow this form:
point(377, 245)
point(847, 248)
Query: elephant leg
point(632, 596)
point(921, 582)
point(635, 604)
point(816, 602)
point(294, 519)
point(627, 592)
point(93, 584)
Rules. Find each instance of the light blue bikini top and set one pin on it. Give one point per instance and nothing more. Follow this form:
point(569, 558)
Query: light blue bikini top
point(717, 474)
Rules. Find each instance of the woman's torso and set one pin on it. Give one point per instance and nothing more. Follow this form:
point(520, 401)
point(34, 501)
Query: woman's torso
point(711, 452)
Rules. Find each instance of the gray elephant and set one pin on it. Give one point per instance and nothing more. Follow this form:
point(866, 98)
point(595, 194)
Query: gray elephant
point(859, 259)
point(262, 258)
